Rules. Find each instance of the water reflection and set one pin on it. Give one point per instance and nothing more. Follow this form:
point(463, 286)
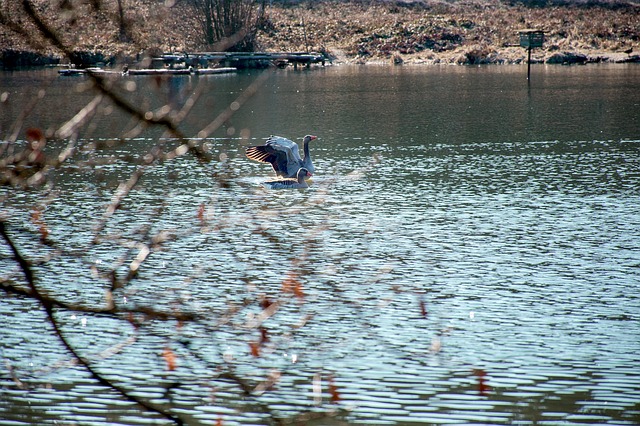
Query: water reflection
point(433, 105)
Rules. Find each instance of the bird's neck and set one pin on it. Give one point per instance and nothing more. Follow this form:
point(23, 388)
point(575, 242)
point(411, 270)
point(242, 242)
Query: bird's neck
point(305, 150)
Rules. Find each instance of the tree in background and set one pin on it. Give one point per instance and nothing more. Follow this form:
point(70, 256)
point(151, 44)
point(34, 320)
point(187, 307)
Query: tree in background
point(230, 25)
point(122, 30)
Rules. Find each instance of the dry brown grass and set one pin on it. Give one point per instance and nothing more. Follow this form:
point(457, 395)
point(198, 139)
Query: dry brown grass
point(437, 32)
point(149, 26)
point(452, 33)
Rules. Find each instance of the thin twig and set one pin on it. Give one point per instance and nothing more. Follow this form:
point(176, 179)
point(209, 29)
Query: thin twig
point(49, 310)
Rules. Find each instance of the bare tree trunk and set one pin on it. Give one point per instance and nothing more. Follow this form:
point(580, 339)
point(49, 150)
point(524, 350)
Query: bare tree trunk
point(122, 32)
point(233, 23)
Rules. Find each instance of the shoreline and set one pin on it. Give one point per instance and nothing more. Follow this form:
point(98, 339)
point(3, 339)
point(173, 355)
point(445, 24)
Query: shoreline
point(469, 32)
point(12, 60)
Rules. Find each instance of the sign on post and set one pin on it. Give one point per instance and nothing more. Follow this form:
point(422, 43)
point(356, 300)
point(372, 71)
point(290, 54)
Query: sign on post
point(530, 39)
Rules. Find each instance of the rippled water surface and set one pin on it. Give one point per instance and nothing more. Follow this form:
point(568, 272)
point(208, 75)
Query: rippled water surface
point(469, 253)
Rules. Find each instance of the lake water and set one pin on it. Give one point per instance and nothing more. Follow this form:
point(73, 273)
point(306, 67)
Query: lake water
point(468, 252)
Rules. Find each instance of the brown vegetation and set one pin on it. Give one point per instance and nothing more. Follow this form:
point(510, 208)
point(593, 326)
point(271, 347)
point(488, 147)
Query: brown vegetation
point(463, 32)
point(425, 32)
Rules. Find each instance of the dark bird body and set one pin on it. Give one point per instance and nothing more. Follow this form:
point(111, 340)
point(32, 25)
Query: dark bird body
point(290, 183)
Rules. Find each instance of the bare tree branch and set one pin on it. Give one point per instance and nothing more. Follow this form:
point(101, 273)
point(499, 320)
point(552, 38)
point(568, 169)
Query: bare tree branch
point(48, 306)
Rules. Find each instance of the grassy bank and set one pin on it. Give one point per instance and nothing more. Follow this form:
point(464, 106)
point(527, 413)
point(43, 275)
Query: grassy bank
point(463, 32)
point(431, 32)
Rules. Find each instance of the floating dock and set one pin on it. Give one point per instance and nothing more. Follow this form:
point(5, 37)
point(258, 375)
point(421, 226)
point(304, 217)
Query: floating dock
point(212, 63)
point(149, 71)
point(242, 60)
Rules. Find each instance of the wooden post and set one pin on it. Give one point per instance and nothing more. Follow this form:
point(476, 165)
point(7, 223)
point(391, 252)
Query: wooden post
point(529, 63)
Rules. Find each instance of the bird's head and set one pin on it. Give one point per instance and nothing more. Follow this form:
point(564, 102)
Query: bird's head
point(304, 172)
point(309, 138)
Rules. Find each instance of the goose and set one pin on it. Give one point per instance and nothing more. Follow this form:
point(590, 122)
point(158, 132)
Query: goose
point(290, 183)
point(283, 155)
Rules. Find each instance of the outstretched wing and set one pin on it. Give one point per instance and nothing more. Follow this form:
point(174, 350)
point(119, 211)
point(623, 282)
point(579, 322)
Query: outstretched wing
point(262, 154)
point(268, 154)
point(280, 143)
point(282, 153)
